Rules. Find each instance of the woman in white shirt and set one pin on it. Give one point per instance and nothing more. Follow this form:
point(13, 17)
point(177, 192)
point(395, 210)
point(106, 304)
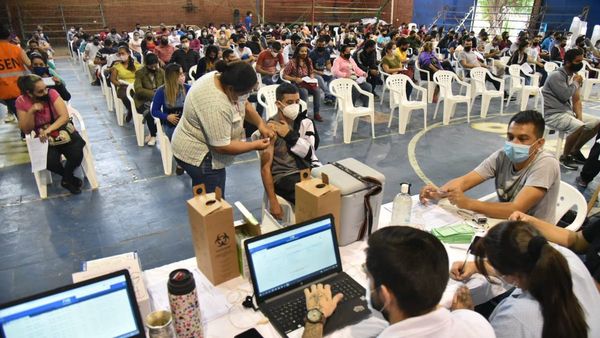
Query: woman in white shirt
point(135, 44)
point(554, 296)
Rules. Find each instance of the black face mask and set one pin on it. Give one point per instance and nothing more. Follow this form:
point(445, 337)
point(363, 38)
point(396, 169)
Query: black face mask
point(242, 45)
point(42, 98)
point(164, 42)
point(404, 49)
point(576, 67)
point(151, 70)
point(467, 49)
point(346, 56)
point(320, 49)
point(96, 43)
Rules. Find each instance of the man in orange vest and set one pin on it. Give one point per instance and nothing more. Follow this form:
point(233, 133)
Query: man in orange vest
point(13, 63)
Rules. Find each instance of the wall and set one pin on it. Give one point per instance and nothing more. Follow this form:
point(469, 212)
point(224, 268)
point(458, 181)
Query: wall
point(425, 11)
point(575, 6)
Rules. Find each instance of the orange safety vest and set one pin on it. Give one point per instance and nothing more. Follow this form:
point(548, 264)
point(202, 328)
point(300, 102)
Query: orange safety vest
point(11, 67)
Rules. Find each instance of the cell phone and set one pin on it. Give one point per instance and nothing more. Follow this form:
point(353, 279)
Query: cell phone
point(251, 333)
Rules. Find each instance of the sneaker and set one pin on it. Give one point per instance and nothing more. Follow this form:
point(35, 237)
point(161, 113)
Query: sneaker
point(580, 183)
point(77, 181)
point(179, 171)
point(71, 186)
point(568, 163)
point(152, 141)
point(147, 138)
point(578, 157)
point(10, 118)
point(318, 117)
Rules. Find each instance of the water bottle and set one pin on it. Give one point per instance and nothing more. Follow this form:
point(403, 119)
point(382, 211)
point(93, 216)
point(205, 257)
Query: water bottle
point(402, 206)
point(184, 304)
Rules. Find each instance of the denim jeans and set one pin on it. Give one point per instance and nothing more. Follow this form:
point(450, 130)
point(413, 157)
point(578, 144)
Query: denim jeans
point(324, 84)
point(168, 129)
point(316, 94)
point(205, 174)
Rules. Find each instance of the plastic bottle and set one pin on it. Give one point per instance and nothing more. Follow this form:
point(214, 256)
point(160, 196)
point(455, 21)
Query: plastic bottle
point(402, 206)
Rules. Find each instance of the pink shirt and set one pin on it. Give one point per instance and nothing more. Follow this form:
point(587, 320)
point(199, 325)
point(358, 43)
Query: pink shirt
point(42, 117)
point(342, 68)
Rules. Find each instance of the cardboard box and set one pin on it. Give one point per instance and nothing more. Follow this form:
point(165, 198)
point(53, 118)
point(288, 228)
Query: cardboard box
point(244, 231)
point(213, 235)
point(316, 197)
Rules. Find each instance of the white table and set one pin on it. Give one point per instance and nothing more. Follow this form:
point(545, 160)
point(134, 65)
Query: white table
point(221, 305)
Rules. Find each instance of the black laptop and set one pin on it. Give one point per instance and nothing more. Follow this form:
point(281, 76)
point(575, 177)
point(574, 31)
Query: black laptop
point(284, 262)
point(101, 307)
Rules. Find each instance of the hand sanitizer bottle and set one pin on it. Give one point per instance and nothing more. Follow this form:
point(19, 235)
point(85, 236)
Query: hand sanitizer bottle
point(402, 206)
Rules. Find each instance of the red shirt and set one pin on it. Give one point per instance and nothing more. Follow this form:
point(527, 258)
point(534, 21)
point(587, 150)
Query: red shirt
point(43, 116)
point(268, 62)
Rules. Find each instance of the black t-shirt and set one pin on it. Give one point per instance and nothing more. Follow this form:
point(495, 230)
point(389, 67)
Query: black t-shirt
point(591, 233)
point(254, 47)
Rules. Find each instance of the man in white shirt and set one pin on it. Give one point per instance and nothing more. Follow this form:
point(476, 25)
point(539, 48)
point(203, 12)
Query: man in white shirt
point(243, 53)
point(407, 272)
point(174, 39)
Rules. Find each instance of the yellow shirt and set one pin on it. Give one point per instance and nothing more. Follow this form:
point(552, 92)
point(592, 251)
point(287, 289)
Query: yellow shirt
point(402, 55)
point(124, 73)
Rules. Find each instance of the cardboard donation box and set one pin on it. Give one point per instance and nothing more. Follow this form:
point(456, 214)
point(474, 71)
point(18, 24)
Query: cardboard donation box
point(213, 235)
point(355, 181)
point(317, 197)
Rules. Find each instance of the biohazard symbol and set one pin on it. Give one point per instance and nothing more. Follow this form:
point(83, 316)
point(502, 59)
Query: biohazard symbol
point(222, 240)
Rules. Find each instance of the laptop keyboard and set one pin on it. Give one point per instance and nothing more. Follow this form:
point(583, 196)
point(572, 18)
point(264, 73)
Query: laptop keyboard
point(290, 315)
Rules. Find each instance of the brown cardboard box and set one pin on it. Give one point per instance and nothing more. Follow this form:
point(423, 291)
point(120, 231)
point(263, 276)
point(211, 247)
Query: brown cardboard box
point(316, 197)
point(213, 235)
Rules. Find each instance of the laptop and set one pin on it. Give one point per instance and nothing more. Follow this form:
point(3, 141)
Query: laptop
point(284, 262)
point(101, 307)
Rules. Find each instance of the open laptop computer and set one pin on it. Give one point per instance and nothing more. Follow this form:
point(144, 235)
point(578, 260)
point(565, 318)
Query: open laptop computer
point(284, 262)
point(104, 306)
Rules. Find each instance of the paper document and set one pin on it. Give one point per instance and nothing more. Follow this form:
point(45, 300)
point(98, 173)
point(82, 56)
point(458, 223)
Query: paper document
point(38, 153)
point(309, 80)
point(361, 80)
point(526, 68)
point(431, 216)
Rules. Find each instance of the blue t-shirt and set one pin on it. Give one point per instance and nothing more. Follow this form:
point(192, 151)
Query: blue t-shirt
point(320, 59)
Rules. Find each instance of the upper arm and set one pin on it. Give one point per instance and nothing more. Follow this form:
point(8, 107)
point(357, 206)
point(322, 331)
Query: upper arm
point(60, 107)
point(266, 158)
point(25, 58)
point(528, 197)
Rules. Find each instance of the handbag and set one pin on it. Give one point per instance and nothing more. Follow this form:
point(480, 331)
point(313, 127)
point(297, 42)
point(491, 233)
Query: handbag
point(62, 135)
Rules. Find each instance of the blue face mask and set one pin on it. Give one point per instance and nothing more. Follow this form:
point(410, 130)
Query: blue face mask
point(516, 153)
point(40, 71)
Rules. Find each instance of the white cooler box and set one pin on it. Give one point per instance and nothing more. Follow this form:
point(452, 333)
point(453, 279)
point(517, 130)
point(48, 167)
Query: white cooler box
point(353, 192)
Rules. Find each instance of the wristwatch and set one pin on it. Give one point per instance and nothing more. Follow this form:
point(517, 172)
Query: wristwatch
point(315, 316)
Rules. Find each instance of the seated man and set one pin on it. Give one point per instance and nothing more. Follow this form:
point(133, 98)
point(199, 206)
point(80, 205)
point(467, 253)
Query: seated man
point(243, 53)
point(321, 59)
point(292, 149)
point(185, 56)
point(527, 178)
point(407, 274)
point(563, 109)
point(267, 62)
point(468, 60)
point(366, 59)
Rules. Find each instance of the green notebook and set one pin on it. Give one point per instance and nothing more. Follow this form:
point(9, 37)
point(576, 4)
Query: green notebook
point(455, 233)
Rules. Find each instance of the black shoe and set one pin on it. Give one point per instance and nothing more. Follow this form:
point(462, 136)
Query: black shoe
point(580, 183)
point(73, 189)
point(78, 183)
point(568, 163)
point(96, 83)
point(128, 117)
point(179, 171)
point(578, 157)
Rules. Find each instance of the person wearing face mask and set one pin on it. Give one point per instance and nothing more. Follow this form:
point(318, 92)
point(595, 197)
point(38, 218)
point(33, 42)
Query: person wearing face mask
point(469, 59)
point(210, 131)
point(148, 44)
point(291, 150)
point(407, 274)
point(207, 63)
point(135, 44)
point(266, 64)
point(366, 59)
point(42, 110)
point(345, 67)
point(321, 59)
point(222, 40)
point(526, 177)
point(554, 294)
point(557, 53)
point(243, 52)
point(195, 43)
point(185, 56)
point(563, 109)
point(124, 70)
point(113, 35)
point(206, 38)
point(164, 51)
point(296, 71)
point(288, 51)
point(174, 38)
point(147, 80)
point(41, 69)
point(523, 55)
point(9, 91)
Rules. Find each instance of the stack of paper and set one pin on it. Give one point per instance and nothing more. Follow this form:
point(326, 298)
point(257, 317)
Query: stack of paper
point(454, 234)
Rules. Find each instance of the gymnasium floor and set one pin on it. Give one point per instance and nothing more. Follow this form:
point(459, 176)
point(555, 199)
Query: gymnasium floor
point(138, 208)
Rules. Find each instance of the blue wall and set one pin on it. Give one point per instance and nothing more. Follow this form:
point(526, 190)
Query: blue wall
point(425, 10)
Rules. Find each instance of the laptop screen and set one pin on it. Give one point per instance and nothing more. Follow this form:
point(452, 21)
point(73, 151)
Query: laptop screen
point(102, 307)
point(293, 256)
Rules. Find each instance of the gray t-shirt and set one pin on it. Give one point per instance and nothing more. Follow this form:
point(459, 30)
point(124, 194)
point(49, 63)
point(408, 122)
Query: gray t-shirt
point(470, 57)
point(543, 172)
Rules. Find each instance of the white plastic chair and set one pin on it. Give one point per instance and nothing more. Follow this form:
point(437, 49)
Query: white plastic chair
point(550, 66)
point(119, 108)
point(383, 76)
point(478, 76)
point(430, 83)
point(164, 145)
point(444, 79)
point(517, 84)
point(42, 177)
point(342, 90)
point(192, 74)
point(266, 98)
point(397, 85)
point(281, 76)
point(589, 82)
point(138, 119)
point(561, 136)
point(107, 90)
point(569, 197)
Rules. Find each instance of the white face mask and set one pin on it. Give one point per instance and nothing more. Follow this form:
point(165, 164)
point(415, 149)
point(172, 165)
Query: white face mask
point(124, 58)
point(185, 45)
point(241, 100)
point(370, 303)
point(291, 111)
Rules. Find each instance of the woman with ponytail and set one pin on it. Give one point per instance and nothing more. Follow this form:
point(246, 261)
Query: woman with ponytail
point(554, 296)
